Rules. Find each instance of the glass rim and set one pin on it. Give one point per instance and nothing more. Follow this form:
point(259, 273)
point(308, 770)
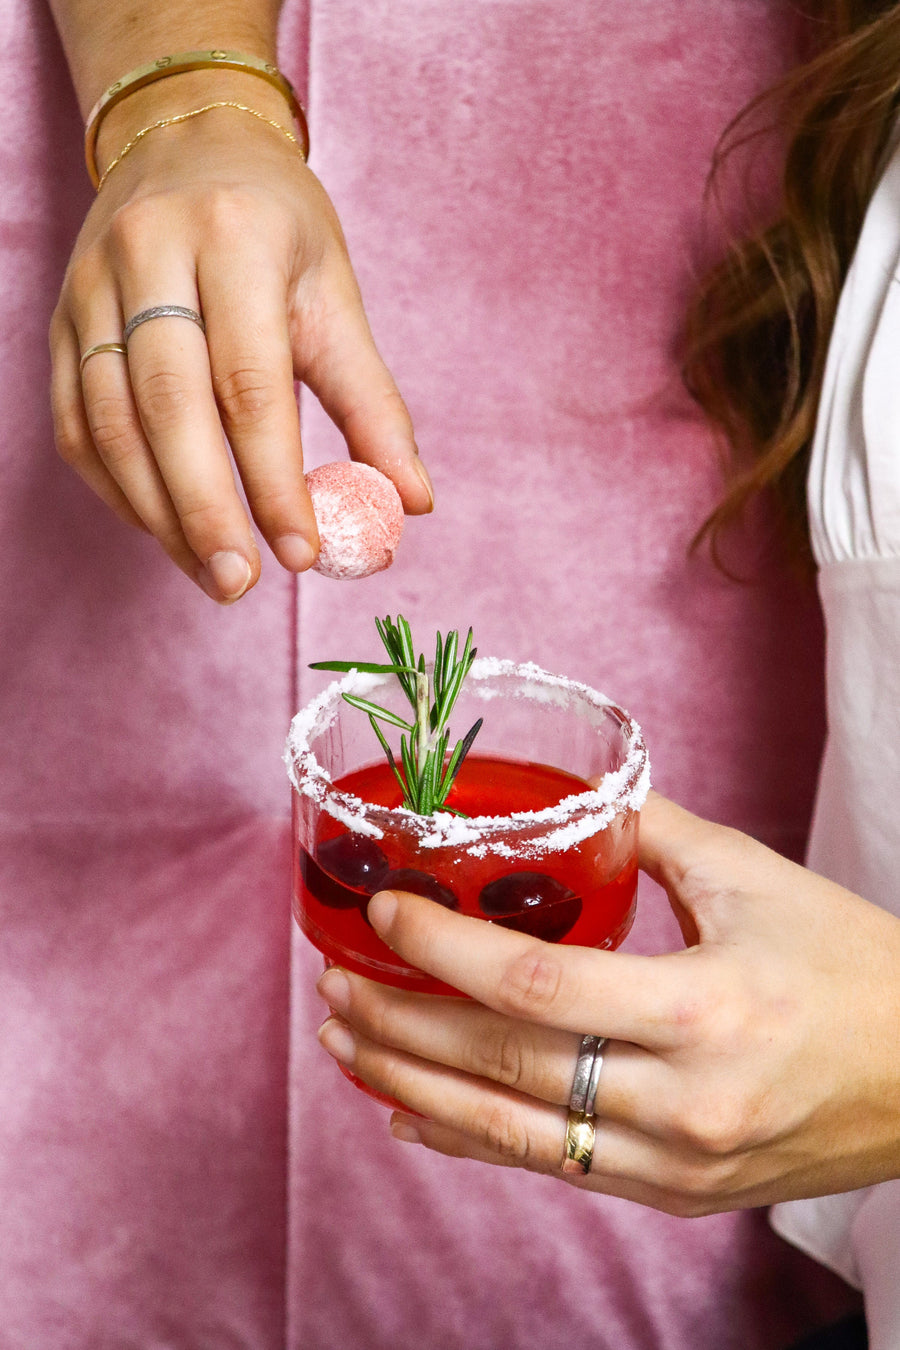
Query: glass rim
point(619, 790)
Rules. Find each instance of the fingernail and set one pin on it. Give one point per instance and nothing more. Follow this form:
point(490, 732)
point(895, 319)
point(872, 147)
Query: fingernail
point(405, 1131)
point(294, 551)
point(426, 480)
point(334, 987)
point(381, 911)
point(231, 572)
point(338, 1040)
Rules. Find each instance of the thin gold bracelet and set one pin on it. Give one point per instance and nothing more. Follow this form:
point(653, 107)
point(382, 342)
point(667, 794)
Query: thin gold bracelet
point(186, 116)
point(178, 64)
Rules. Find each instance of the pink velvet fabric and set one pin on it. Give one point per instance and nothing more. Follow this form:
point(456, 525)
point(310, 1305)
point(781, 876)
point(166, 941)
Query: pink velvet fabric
point(144, 916)
point(180, 1165)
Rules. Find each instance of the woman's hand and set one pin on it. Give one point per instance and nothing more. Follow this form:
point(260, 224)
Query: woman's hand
point(218, 214)
point(759, 1064)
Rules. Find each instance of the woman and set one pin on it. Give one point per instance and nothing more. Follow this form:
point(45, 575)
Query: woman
point(759, 1065)
point(196, 1249)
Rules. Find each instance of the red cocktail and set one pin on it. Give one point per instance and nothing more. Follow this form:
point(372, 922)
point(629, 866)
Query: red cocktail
point(547, 850)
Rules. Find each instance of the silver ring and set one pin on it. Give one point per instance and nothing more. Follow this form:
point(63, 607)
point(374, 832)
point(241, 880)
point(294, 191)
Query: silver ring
point(587, 1075)
point(590, 1104)
point(164, 312)
point(583, 1066)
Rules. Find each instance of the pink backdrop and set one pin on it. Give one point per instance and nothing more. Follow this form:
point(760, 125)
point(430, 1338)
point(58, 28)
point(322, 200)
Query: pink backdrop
point(520, 184)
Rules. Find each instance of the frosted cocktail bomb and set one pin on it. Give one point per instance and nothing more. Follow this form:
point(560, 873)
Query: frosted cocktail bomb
point(360, 519)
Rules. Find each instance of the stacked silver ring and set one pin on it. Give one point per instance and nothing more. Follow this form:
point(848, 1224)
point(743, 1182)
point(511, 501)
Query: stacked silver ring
point(587, 1075)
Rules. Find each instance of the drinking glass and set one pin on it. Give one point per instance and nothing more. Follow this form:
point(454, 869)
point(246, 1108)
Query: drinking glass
point(546, 838)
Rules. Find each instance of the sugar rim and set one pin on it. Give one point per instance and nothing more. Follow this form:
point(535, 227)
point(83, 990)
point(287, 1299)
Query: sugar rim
point(575, 817)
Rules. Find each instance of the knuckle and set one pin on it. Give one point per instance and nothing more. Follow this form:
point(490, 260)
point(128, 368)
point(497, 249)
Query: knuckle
point(714, 1012)
point(532, 982)
point(697, 877)
point(696, 1013)
point(498, 1055)
point(163, 395)
point(170, 536)
point(702, 1188)
point(395, 405)
point(245, 396)
point(112, 429)
point(203, 523)
point(688, 1206)
point(378, 1019)
point(274, 509)
point(83, 274)
point(59, 324)
point(387, 407)
point(132, 229)
point(227, 209)
point(716, 1128)
point(390, 401)
point(71, 444)
point(505, 1135)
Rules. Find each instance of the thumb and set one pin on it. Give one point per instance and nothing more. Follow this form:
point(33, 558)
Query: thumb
point(677, 849)
point(712, 874)
point(358, 392)
point(671, 839)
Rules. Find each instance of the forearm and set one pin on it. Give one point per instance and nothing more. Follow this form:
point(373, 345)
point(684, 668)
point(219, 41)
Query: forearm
point(102, 42)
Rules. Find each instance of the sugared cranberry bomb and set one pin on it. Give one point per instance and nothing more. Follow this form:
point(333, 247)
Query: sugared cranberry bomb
point(419, 883)
point(531, 902)
point(360, 519)
point(345, 872)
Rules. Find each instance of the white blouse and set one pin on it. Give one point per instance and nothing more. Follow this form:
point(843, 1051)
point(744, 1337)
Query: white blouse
point(854, 506)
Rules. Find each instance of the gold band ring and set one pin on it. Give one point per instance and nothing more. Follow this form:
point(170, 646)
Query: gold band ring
point(579, 1144)
point(100, 347)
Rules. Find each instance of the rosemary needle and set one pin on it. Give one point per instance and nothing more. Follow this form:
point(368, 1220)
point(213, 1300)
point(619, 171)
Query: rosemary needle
point(426, 771)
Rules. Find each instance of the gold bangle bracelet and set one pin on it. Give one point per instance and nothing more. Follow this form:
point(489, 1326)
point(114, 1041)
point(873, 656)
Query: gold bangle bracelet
point(186, 117)
point(178, 64)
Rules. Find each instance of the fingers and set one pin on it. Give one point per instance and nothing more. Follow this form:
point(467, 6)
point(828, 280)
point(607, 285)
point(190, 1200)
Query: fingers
point(168, 364)
point(630, 998)
point(99, 435)
point(458, 1033)
point(494, 1124)
point(536, 1061)
point(153, 429)
point(522, 1131)
point(252, 372)
point(72, 432)
point(689, 1202)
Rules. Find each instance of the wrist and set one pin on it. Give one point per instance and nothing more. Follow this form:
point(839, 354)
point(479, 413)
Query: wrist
point(104, 42)
point(180, 94)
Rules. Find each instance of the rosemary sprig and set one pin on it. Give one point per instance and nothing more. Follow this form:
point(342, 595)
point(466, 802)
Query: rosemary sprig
point(426, 772)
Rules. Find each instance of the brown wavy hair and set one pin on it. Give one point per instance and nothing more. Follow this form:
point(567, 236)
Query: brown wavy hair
point(756, 334)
